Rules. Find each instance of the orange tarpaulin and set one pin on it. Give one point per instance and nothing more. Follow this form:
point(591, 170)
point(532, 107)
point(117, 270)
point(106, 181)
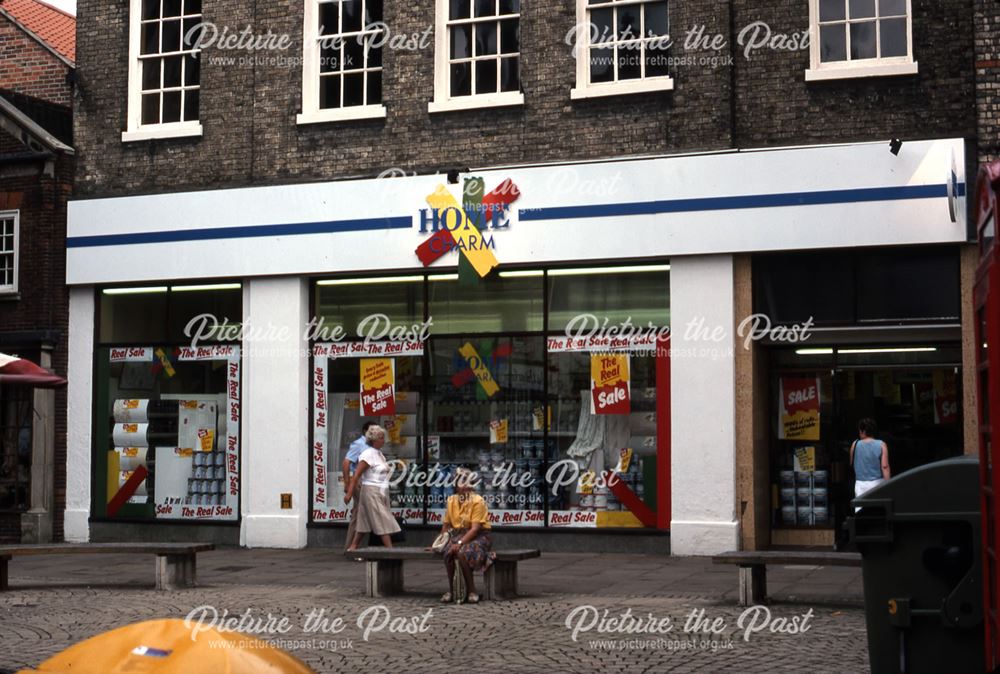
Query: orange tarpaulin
point(165, 647)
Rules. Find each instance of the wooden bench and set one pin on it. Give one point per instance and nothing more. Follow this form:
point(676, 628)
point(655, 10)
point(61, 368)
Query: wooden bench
point(175, 562)
point(753, 567)
point(384, 570)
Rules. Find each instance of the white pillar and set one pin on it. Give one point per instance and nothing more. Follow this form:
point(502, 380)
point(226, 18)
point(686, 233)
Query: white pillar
point(80, 374)
point(275, 413)
point(703, 406)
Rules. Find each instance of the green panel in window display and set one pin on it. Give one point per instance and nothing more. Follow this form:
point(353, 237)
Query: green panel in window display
point(496, 304)
point(133, 318)
point(349, 303)
point(642, 297)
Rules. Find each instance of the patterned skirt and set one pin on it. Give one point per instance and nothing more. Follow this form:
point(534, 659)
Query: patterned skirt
point(479, 551)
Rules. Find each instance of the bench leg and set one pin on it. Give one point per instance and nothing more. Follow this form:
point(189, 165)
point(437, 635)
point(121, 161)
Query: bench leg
point(175, 571)
point(505, 579)
point(753, 585)
point(489, 580)
point(3, 573)
point(384, 577)
point(487, 591)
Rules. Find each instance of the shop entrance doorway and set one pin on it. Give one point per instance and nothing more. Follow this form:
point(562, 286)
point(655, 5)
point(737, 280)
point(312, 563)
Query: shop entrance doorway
point(818, 396)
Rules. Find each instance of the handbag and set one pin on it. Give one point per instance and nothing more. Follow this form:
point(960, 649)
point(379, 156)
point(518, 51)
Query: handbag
point(441, 542)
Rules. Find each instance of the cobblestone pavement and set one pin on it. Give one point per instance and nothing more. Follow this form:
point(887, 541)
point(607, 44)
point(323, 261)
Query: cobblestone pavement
point(57, 601)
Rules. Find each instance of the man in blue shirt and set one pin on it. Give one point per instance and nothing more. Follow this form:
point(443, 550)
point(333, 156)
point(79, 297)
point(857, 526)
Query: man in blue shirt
point(348, 466)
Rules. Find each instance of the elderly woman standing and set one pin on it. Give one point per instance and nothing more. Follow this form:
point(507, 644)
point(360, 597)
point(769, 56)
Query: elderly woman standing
point(372, 477)
point(467, 520)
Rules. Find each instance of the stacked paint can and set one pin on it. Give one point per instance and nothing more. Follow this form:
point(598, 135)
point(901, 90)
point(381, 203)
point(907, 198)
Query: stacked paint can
point(804, 497)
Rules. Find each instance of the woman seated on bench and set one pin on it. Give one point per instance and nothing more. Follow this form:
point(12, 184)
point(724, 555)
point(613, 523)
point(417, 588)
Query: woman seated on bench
point(467, 520)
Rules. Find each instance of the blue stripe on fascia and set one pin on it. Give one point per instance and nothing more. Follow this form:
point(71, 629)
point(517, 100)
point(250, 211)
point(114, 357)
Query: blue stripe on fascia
point(245, 232)
point(750, 201)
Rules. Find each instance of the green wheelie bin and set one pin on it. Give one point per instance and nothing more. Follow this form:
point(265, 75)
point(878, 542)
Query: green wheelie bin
point(920, 541)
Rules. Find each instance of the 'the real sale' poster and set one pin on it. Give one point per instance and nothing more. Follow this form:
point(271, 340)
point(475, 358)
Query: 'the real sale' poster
point(378, 387)
point(610, 390)
point(799, 408)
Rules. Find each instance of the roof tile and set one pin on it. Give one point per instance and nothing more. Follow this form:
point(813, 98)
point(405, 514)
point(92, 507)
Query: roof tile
point(54, 26)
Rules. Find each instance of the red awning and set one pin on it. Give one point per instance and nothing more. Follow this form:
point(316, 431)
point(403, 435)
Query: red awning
point(15, 370)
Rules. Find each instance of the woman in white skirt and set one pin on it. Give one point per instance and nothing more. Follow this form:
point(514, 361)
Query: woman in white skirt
point(372, 478)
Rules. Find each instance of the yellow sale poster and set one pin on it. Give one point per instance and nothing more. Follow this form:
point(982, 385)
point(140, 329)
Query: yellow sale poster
point(799, 409)
point(609, 384)
point(805, 459)
point(378, 387)
point(498, 431)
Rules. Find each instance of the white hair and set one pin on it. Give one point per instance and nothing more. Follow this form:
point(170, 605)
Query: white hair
point(374, 432)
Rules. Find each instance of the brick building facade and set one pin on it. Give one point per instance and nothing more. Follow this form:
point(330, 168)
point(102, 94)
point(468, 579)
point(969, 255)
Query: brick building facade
point(731, 93)
point(36, 182)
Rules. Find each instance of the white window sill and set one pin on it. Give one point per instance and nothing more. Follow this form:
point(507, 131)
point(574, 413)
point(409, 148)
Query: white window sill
point(341, 114)
point(622, 88)
point(181, 130)
point(8, 294)
point(475, 102)
point(851, 71)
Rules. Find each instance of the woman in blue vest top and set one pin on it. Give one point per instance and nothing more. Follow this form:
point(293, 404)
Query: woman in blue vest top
point(870, 458)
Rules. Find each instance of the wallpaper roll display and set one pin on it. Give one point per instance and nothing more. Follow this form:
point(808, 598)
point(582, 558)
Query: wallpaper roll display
point(131, 410)
point(130, 458)
point(130, 435)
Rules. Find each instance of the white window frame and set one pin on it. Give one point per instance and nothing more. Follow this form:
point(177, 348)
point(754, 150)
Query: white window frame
point(876, 67)
point(311, 112)
point(11, 289)
point(135, 130)
point(583, 88)
point(443, 100)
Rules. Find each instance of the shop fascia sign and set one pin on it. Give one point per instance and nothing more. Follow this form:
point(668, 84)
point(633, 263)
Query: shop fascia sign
point(466, 226)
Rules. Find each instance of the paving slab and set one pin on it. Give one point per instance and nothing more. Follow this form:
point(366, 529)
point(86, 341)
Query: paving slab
point(577, 612)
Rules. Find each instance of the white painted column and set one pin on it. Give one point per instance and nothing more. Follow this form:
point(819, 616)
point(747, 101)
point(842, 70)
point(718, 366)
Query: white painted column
point(79, 413)
point(275, 456)
point(703, 406)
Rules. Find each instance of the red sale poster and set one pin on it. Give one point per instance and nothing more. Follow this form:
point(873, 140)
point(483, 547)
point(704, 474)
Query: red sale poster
point(610, 391)
point(799, 410)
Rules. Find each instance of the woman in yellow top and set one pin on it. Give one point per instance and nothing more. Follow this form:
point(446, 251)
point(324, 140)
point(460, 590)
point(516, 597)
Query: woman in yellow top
point(467, 521)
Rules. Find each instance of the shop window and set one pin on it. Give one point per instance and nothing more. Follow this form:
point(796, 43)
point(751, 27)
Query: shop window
point(472, 391)
point(860, 38)
point(368, 304)
point(590, 443)
point(639, 295)
point(15, 447)
point(501, 304)
point(621, 47)
point(9, 225)
point(164, 69)
point(167, 422)
point(214, 311)
point(340, 374)
point(342, 60)
point(482, 400)
point(477, 54)
point(817, 401)
point(133, 315)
